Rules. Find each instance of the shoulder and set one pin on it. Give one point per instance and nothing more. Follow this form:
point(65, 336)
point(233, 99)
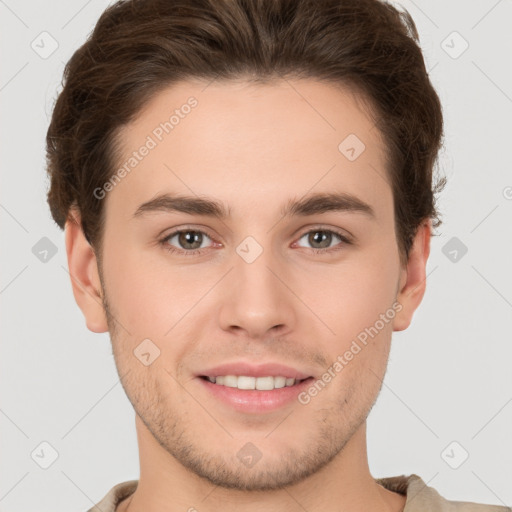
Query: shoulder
point(114, 496)
point(423, 498)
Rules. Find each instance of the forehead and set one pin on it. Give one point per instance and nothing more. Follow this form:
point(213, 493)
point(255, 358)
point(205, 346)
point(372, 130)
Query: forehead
point(247, 143)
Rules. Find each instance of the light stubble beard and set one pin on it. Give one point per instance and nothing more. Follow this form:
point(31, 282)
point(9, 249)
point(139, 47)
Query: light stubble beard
point(332, 431)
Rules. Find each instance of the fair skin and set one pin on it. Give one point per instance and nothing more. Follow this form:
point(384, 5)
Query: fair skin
point(253, 148)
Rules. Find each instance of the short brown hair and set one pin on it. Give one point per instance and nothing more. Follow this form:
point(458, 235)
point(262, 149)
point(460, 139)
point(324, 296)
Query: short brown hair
point(139, 47)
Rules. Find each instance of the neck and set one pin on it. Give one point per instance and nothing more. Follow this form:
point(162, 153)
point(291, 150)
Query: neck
point(344, 483)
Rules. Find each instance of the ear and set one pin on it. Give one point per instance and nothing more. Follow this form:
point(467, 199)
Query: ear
point(413, 280)
point(83, 270)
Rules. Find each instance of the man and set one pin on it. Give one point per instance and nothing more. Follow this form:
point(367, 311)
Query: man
point(246, 189)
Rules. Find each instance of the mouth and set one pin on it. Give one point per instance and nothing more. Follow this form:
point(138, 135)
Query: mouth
point(247, 382)
point(253, 395)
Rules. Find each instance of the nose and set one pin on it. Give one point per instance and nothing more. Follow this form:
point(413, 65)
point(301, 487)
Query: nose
point(257, 301)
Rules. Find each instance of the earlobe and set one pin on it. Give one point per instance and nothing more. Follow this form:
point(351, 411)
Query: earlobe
point(83, 270)
point(413, 279)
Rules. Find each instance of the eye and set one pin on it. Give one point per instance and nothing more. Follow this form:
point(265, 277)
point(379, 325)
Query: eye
point(321, 240)
point(189, 241)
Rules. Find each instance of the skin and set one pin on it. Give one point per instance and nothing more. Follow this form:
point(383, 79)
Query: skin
point(264, 145)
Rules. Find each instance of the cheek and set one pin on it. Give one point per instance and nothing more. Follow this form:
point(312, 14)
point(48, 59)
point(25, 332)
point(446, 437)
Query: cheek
point(354, 295)
point(136, 290)
point(150, 293)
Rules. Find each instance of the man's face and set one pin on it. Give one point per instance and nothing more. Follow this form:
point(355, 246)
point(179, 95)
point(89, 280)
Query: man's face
point(264, 288)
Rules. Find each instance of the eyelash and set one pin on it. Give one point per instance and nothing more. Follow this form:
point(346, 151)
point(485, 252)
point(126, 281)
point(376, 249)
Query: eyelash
point(169, 248)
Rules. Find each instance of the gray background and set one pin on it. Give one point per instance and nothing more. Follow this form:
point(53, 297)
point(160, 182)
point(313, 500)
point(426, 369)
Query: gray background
point(449, 378)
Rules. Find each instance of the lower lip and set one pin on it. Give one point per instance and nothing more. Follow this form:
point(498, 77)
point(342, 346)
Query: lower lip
point(255, 401)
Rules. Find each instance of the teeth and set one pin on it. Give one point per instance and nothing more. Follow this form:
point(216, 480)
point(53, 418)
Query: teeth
point(246, 382)
point(280, 382)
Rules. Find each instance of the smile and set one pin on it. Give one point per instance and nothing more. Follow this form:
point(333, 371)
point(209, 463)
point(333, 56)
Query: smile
point(267, 383)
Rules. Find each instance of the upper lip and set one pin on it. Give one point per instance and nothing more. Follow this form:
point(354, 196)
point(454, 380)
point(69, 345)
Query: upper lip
point(252, 370)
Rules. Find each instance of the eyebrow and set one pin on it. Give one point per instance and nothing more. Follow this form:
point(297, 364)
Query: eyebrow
point(311, 204)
